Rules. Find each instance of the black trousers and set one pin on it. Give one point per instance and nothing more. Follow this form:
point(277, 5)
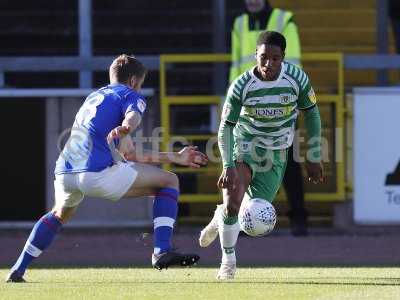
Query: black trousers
point(294, 187)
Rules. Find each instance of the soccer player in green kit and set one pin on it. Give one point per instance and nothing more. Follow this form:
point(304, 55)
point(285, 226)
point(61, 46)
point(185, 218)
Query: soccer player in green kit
point(257, 127)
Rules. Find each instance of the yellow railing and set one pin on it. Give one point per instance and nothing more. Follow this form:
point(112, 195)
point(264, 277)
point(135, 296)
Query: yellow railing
point(167, 100)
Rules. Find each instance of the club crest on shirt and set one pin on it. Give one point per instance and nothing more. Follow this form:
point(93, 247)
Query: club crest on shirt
point(287, 98)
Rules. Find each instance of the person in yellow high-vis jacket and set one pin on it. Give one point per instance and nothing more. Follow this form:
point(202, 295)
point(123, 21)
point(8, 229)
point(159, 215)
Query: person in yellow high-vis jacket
point(261, 16)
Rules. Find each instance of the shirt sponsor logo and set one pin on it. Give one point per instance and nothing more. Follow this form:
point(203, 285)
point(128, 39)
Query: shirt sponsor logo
point(270, 112)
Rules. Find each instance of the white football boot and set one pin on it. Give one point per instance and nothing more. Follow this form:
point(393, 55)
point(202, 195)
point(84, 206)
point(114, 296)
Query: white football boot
point(210, 232)
point(227, 271)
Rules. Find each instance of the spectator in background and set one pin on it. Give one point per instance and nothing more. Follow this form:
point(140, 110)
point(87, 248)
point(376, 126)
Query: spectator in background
point(394, 13)
point(260, 16)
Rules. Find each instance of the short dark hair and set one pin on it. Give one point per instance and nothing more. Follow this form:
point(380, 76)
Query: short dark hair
point(272, 38)
point(126, 66)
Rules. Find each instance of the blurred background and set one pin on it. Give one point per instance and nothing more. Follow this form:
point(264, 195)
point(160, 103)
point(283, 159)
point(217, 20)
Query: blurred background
point(54, 52)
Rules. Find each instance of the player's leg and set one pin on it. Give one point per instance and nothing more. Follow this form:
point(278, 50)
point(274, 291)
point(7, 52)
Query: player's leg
point(266, 182)
point(64, 214)
point(210, 232)
point(228, 225)
point(67, 199)
point(150, 179)
point(244, 160)
point(164, 186)
point(261, 180)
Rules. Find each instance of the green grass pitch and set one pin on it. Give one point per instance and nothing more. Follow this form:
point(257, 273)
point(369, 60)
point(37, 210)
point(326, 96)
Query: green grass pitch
point(198, 283)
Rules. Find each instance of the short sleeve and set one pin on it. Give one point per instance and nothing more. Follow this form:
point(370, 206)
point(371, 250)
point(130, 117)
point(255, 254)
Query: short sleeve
point(134, 102)
point(233, 104)
point(307, 98)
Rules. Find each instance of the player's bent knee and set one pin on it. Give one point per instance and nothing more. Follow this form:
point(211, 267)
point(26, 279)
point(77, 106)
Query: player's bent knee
point(64, 214)
point(171, 181)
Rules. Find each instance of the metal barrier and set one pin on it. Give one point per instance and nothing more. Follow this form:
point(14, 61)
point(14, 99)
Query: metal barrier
point(336, 99)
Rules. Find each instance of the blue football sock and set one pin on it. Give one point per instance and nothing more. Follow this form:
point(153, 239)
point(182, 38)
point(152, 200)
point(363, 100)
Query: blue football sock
point(40, 238)
point(165, 209)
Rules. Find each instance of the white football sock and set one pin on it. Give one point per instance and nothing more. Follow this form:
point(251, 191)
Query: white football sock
point(228, 235)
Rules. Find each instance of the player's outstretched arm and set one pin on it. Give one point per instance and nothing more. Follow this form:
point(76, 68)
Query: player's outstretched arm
point(188, 156)
point(314, 165)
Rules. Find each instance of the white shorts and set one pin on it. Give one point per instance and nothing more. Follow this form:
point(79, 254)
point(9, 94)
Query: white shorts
point(112, 183)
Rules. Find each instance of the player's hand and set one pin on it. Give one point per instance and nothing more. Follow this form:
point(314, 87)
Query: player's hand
point(190, 157)
point(315, 172)
point(118, 133)
point(229, 178)
point(126, 146)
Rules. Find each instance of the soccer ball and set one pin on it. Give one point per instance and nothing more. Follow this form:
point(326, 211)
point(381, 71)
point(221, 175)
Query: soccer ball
point(257, 217)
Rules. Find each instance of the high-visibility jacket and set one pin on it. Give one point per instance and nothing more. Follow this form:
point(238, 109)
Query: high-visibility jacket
point(244, 41)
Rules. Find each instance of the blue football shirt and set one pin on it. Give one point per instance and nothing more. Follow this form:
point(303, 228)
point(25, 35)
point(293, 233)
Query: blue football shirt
point(87, 149)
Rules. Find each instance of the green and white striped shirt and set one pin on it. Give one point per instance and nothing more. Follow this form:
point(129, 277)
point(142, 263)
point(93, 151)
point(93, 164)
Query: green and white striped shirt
point(265, 112)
